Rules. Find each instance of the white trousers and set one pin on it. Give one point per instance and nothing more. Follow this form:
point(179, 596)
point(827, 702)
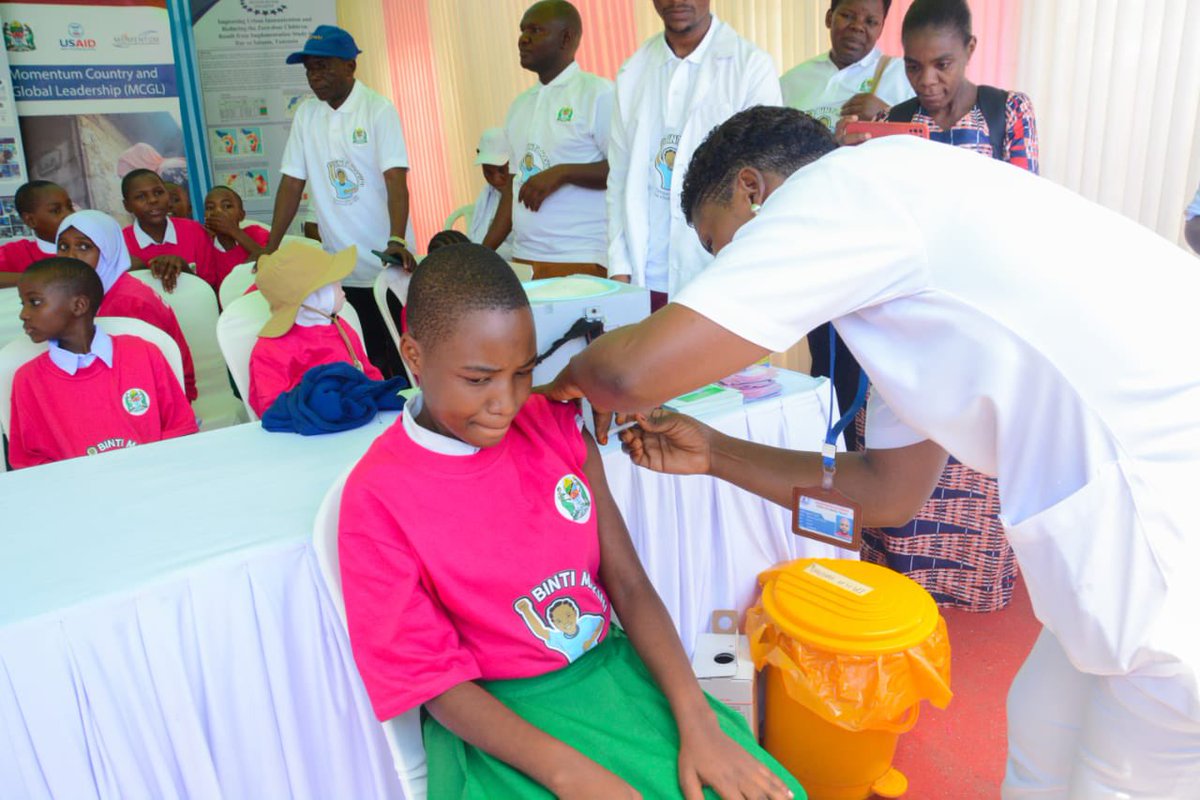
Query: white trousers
point(1088, 737)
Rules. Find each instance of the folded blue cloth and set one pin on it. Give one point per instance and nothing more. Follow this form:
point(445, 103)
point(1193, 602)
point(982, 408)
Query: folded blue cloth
point(331, 398)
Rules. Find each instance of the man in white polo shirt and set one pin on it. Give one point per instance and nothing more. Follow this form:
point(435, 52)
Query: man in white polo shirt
point(675, 89)
point(347, 144)
point(558, 136)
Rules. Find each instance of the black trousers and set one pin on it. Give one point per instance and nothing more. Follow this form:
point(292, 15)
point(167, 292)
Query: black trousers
point(376, 338)
point(846, 379)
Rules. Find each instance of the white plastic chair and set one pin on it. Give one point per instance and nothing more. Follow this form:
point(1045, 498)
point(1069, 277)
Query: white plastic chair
point(195, 306)
point(403, 733)
point(10, 316)
point(17, 352)
point(394, 280)
point(289, 238)
point(524, 271)
point(237, 331)
point(236, 283)
point(463, 212)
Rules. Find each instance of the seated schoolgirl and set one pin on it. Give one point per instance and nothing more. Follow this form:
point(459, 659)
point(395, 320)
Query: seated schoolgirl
point(232, 244)
point(303, 286)
point(482, 557)
point(168, 245)
point(42, 205)
point(90, 392)
point(95, 238)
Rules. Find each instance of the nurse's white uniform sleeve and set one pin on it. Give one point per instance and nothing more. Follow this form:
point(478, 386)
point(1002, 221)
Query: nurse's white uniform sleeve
point(885, 431)
point(762, 81)
point(829, 242)
point(619, 262)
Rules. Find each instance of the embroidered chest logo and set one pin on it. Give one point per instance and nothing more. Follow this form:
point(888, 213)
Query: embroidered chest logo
point(572, 499)
point(359, 136)
point(866, 85)
point(136, 401)
point(565, 114)
point(345, 179)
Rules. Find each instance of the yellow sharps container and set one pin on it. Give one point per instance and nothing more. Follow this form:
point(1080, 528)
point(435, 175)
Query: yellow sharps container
point(849, 649)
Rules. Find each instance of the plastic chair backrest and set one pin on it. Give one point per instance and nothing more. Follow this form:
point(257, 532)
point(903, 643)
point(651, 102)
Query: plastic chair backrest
point(237, 332)
point(394, 280)
point(10, 316)
point(403, 733)
point(289, 238)
point(195, 306)
point(236, 283)
point(463, 212)
point(14, 354)
point(524, 271)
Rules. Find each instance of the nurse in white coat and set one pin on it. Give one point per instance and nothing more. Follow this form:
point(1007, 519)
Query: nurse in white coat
point(676, 88)
point(1078, 386)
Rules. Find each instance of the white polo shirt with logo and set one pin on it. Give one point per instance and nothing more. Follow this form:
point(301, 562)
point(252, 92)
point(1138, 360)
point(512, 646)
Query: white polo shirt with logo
point(818, 88)
point(342, 153)
point(565, 121)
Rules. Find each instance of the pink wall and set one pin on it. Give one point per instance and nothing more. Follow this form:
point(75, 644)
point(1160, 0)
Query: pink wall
point(609, 35)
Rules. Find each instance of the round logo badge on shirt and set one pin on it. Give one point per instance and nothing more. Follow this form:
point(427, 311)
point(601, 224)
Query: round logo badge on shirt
point(572, 499)
point(92, 450)
point(136, 401)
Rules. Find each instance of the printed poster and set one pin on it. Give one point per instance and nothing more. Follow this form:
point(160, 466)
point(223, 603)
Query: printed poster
point(97, 95)
point(12, 158)
point(248, 91)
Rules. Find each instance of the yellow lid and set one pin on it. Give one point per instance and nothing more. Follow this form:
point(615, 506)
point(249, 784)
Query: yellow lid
point(849, 607)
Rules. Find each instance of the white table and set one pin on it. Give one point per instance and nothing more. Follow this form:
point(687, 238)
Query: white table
point(165, 633)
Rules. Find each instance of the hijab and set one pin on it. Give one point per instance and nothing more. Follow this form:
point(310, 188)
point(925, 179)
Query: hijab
point(105, 233)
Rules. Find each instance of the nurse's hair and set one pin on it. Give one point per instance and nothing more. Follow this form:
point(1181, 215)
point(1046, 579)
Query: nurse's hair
point(70, 274)
point(767, 138)
point(456, 280)
point(938, 14)
point(887, 5)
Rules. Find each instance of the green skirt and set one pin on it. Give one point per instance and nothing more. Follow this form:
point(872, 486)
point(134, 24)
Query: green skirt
point(607, 707)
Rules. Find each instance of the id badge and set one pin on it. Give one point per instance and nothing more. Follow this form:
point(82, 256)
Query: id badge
point(827, 516)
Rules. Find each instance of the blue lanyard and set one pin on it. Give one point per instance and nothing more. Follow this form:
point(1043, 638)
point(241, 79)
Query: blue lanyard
point(829, 450)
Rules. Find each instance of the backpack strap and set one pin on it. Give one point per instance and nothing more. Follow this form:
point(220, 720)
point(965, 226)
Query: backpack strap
point(883, 64)
point(904, 112)
point(993, 103)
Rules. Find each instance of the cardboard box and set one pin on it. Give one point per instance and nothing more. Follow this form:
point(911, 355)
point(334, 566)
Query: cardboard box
point(725, 670)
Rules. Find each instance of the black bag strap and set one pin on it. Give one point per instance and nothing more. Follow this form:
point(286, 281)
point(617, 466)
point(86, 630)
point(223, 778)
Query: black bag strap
point(992, 102)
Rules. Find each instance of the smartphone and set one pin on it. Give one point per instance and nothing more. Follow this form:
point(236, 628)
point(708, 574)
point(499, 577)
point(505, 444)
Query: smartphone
point(880, 129)
point(389, 258)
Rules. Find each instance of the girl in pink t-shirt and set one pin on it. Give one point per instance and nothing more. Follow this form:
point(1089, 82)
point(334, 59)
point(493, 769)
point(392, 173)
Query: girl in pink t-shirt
point(482, 558)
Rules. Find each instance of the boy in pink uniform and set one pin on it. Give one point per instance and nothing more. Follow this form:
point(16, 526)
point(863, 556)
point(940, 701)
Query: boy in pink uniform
point(303, 286)
point(95, 238)
point(89, 393)
point(166, 244)
point(42, 205)
point(232, 244)
point(482, 557)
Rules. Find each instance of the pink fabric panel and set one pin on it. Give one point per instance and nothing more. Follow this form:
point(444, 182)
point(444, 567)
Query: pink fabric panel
point(996, 26)
point(609, 36)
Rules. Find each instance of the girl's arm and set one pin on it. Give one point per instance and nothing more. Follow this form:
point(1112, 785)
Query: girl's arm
point(478, 718)
point(707, 757)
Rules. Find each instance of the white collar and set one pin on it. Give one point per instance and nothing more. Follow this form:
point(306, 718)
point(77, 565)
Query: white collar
point(49, 248)
point(347, 105)
point(697, 55)
point(70, 363)
point(143, 239)
point(866, 62)
point(558, 80)
point(432, 441)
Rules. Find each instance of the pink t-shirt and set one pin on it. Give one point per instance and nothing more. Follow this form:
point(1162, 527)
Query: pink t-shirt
point(277, 365)
point(192, 244)
point(17, 256)
point(484, 566)
point(98, 409)
point(223, 263)
point(129, 297)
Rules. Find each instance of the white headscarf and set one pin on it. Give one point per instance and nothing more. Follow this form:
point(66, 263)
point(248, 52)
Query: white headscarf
point(318, 307)
point(105, 233)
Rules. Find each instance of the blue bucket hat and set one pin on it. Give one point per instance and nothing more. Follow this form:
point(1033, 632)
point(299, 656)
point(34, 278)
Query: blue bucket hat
point(328, 41)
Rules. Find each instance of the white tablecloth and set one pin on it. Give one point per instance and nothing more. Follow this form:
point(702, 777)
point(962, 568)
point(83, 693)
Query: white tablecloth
point(165, 633)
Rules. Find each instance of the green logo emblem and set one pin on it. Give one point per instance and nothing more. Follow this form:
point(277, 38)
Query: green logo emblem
point(572, 499)
point(565, 114)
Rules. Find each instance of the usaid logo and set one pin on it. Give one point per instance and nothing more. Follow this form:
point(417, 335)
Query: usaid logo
point(75, 39)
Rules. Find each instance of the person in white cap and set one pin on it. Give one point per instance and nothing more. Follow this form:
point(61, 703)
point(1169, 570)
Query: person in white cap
point(557, 135)
point(348, 147)
point(492, 158)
